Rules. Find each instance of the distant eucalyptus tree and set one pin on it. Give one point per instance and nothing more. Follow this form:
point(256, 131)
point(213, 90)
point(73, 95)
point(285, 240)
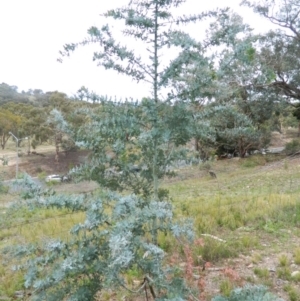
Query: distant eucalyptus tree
point(279, 48)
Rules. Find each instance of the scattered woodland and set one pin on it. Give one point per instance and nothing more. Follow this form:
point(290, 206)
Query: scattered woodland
point(165, 218)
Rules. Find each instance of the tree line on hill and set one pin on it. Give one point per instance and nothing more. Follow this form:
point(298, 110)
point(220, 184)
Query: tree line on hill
point(29, 114)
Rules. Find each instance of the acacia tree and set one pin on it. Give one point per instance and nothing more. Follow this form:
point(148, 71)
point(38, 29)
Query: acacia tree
point(153, 24)
point(121, 137)
point(120, 233)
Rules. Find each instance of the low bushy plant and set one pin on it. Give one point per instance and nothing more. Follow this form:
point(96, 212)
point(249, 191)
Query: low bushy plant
point(205, 166)
point(3, 188)
point(292, 147)
point(213, 250)
point(226, 286)
point(114, 242)
point(292, 292)
point(297, 256)
point(39, 169)
point(261, 273)
point(284, 272)
point(42, 175)
point(249, 293)
point(283, 260)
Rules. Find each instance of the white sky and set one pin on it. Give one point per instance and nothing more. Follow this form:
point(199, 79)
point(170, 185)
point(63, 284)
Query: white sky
point(33, 31)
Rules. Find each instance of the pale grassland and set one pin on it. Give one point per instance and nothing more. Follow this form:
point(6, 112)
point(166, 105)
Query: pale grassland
point(29, 227)
point(240, 196)
point(248, 200)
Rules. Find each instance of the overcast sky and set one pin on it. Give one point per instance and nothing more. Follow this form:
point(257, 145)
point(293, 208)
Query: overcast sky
point(33, 31)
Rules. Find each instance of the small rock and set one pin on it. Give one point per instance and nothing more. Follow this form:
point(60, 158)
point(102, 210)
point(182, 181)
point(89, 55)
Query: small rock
point(250, 266)
point(293, 265)
point(137, 282)
point(238, 260)
point(182, 264)
point(295, 273)
point(19, 294)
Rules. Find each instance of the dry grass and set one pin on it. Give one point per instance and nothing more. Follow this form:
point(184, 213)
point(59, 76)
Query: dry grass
point(253, 206)
point(30, 227)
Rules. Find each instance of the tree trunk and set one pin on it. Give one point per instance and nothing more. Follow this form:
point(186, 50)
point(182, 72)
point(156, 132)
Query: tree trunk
point(242, 150)
point(57, 138)
point(155, 94)
point(3, 141)
point(29, 144)
point(197, 147)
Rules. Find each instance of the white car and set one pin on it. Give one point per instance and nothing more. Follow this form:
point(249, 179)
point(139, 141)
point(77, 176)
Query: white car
point(54, 178)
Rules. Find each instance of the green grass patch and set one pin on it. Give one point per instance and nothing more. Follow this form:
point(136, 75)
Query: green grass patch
point(212, 250)
point(284, 273)
point(293, 293)
point(262, 273)
point(284, 260)
point(25, 226)
point(253, 161)
point(41, 175)
point(226, 286)
point(297, 256)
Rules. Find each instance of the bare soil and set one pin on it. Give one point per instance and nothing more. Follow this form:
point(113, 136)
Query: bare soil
point(280, 139)
point(43, 161)
point(242, 269)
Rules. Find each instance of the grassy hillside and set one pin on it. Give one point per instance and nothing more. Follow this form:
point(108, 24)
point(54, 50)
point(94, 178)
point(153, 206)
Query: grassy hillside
point(246, 219)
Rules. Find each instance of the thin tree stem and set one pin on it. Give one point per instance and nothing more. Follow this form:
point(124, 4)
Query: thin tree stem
point(155, 88)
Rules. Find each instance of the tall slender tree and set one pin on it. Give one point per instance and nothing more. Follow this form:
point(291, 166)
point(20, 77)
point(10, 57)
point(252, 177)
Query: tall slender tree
point(153, 25)
point(120, 233)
